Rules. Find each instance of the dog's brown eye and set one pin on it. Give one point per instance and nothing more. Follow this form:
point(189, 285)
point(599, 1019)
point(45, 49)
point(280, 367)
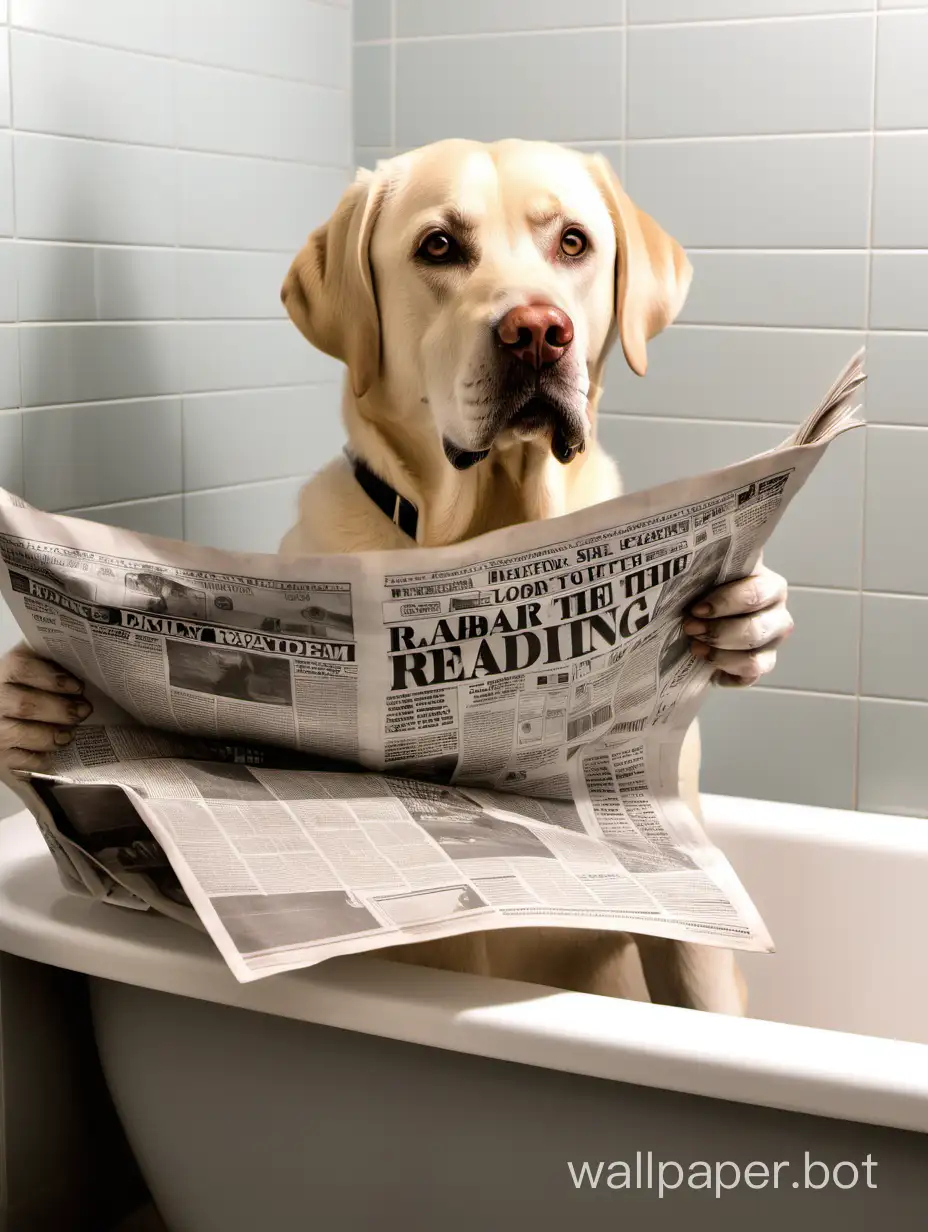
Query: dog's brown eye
point(573, 242)
point(438, 248)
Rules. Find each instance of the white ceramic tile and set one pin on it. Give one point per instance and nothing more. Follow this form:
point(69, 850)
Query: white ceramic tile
point(767, 288)
point(74, 89)
point(900, 191)
point(249, 355)
point(75, 456)
point(143, 25)
point(766, 77)
point(248, 203)
point(647, 11)
point(822, 652)
point(9, 629)
point(305, 41)
point(239, 114)
point(371, 19)
point(421, 17)
point(706, 373)
point(9, 367)
point(93, 363)
point(163, 516)
point(11, 451)
point(785, 192)
point(6, 184)
point(899, 290)
point(94, 191)
point(7, 281)
point(4, 83)
point(372, 84)
point(652, 451)
point(896, 367)
point(893, 775)
point(902, 83)
point(563, 88)
point(231, 284)
point(897, 463)
point(370, 156)
point(892, 662)
point(67, 282)
point(251, 519)
point(268, 434)
point(770, 745)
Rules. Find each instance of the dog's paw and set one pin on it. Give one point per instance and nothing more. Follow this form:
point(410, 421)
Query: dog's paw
point(739, 626)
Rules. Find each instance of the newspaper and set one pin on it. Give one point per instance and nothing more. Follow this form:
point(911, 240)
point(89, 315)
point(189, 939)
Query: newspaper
point(337, 754)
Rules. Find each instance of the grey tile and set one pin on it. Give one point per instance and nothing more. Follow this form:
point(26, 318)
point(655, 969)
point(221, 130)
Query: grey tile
point(900, 191)
point(371, 19)
point(902, 84)
point(250, 519)
point(435, 94)
point(6, 184)
point(94, 191)
point(372, 84)
point(652, 451)
point(163, 516)
point(893, 774)
point(235, 113)
point(785, 192)
point(823, 289)
point(249, 355)
point(299, 430)
point(707, 373)
point(370, 156)
point(896, 366)
point(94, 455)
point(897, 462)
point(776, 77)
point(892, 662)
point(768, 745)
point(5, 93)
point(248, 203)
point(9, 367)
point(822, 652)
point(8, 300)
point(72, 89)
point(899, 290)
point(11, 451)
point(94, 363)
point(419, 17)
point(645, 11)
point(308, 42)
point(9, 630)
point(142, 25)
point(64, 282)
point(231, 284)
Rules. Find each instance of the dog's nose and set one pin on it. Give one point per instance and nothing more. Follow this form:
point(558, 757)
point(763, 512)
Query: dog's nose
point(538, 334)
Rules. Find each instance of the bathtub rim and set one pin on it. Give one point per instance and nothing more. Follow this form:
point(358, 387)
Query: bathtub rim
point(869, 1079)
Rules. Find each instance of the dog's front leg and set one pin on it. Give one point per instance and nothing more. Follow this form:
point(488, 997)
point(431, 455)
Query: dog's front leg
point(697, 977)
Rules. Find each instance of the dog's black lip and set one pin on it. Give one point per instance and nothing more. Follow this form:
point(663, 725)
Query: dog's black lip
point(463, 459)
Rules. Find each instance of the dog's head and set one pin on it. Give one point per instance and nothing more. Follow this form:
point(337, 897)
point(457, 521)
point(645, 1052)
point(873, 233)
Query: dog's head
point(482, 285)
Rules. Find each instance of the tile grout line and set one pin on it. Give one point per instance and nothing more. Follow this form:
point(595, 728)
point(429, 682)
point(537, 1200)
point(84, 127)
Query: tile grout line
point(869, 313)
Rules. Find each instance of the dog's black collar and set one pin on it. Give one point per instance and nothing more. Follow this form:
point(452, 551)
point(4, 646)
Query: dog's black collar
point(401, 512)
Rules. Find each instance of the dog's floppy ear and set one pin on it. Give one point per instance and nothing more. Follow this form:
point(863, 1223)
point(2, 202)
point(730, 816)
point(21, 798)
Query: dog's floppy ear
point(653, 273)
point(329, 289)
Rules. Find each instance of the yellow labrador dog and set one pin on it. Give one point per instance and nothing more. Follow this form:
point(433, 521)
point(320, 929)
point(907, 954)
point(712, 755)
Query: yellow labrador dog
point(473, 293)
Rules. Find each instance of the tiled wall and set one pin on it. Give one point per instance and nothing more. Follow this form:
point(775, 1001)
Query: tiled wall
point(785, 143)
point(160, 163)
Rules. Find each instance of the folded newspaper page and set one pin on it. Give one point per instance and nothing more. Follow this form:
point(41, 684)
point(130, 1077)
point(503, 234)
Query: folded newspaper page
point(316, 757)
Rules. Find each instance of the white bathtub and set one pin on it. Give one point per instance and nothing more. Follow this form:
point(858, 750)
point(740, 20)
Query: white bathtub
point(245, 1121)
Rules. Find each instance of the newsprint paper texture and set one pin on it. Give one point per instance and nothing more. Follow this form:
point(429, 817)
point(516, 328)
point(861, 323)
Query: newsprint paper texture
point(342, 753)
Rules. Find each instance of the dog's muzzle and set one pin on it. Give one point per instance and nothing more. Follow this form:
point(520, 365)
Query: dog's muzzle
point(536, 416)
